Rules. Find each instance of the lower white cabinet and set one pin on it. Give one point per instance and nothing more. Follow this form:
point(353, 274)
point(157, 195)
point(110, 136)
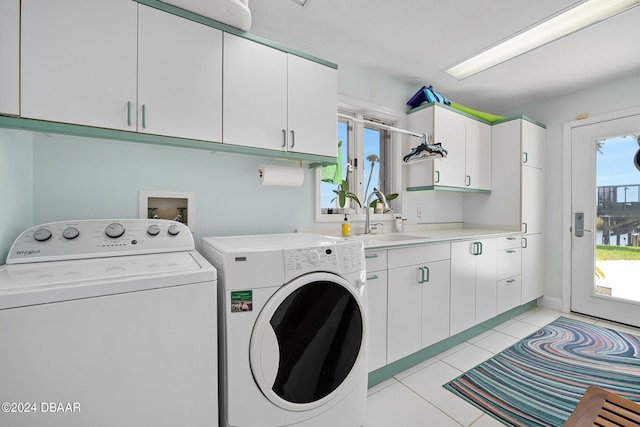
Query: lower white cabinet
point(418, 298)
point(473, 283)
point(377, 292)
point(532, 271)
point(509, 286)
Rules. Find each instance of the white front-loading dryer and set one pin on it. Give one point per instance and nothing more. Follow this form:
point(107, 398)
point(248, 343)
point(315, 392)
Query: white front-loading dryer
point(293, 329)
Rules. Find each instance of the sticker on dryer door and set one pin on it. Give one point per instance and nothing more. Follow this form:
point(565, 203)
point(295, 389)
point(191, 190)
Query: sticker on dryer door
point(241, 301)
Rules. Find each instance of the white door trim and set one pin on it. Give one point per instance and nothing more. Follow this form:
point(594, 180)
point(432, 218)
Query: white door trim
point(567, 219)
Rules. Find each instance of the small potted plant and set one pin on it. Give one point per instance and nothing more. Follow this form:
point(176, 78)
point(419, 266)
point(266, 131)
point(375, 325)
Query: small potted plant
point(343, 193)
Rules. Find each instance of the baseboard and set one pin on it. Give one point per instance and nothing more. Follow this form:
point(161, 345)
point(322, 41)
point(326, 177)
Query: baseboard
point(550, 303)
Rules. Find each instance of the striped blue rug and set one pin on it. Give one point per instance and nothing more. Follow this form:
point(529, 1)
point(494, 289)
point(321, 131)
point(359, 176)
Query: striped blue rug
point(539, 380)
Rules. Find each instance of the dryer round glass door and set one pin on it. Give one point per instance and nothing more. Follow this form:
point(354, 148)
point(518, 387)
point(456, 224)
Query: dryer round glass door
point(306, 341)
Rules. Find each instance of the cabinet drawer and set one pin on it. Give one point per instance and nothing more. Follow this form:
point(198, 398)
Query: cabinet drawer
point(508, 242)
point(376, 260)
point(509, 263)
point(509, 291)
point(418, 255)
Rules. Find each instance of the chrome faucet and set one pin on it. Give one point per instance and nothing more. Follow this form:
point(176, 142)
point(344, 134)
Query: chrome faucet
point(367, 223)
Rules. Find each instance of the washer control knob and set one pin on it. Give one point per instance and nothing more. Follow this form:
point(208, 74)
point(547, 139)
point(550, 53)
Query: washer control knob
point(173, 230)
point(70, 233)
point(114, 230)
point(42, 235)
point(153, 230)
point(313, 257)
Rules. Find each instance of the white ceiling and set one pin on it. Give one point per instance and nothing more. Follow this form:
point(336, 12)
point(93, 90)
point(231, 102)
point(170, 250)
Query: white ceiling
point(416, 40)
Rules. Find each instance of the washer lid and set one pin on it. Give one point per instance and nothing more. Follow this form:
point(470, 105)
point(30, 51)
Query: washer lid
point(45, 282)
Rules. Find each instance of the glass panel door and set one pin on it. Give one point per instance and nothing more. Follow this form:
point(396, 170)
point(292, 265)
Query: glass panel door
point(605, 261)
point(618, 218)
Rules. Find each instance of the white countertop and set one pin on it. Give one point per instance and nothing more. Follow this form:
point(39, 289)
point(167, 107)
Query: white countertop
point(421, 237)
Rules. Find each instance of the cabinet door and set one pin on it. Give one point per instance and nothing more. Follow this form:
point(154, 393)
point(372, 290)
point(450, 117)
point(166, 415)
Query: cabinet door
point(78, 62)
point(312, 107)
point(463, 286)
point(435, 302)
point(9, 56)
point(450, 130)
point(377, 294)
point(404, 330)
point(179, 77)
point(254, 94)
point(532, 199)
point(533, 144)
point(486, 277)
point(532, 267)
point(478, 155)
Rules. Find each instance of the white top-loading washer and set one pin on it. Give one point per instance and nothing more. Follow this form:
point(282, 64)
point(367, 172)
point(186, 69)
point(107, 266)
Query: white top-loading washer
point(108, 322)
point(293, 330)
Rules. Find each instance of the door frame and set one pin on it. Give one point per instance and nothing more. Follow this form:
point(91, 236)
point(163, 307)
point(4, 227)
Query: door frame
point(567, 214)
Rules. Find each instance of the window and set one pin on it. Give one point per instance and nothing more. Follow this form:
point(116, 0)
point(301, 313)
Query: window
point(367, 154)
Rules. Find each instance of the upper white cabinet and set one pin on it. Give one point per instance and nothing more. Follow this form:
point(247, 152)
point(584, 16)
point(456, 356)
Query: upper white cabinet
point(276, 100)
point(478, 155)
point(10, 57)
point(79, 60)
point(468, 145)
point(108, 64)
point(179, 77)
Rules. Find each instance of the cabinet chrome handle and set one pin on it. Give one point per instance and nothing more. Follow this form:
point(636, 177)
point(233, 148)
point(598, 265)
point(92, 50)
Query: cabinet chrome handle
point(511, 280)
point(511, 251)
point(526, 227)
point(525, 243)
point(423, 279)
point(437, 176)
point(511, 238)
point(144, 116)
point(293, 138)
point(129, 113)
point(284, 138)
point(476, 248)
point(525, 157)
point(468, 180)
point(369, 256)
point(374, 277)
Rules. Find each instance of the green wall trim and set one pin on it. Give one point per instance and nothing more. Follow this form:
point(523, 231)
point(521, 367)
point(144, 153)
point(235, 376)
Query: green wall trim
point(229, 29)
point(388, 371)
point(443, 188)
point(119, 135)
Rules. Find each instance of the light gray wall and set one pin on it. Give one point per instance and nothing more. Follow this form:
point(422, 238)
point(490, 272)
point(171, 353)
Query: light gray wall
point(16, 186)
point(615, 96)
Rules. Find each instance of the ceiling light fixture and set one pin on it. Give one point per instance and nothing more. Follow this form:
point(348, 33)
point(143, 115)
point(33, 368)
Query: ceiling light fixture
point(570, 21)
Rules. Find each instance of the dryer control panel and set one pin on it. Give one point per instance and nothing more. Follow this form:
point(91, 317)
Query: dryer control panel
point(341, 257)
point(68, 240)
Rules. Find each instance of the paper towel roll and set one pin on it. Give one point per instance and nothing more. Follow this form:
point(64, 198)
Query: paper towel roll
point(289, 176)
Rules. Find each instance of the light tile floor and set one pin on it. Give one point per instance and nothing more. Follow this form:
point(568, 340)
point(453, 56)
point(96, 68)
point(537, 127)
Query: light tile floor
point(416, 398)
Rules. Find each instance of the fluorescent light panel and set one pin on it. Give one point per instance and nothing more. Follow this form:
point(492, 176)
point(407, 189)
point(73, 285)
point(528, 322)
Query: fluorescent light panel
point(577, 18)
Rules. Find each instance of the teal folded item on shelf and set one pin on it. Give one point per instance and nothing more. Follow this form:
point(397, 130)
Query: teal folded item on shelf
point(333, 173)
